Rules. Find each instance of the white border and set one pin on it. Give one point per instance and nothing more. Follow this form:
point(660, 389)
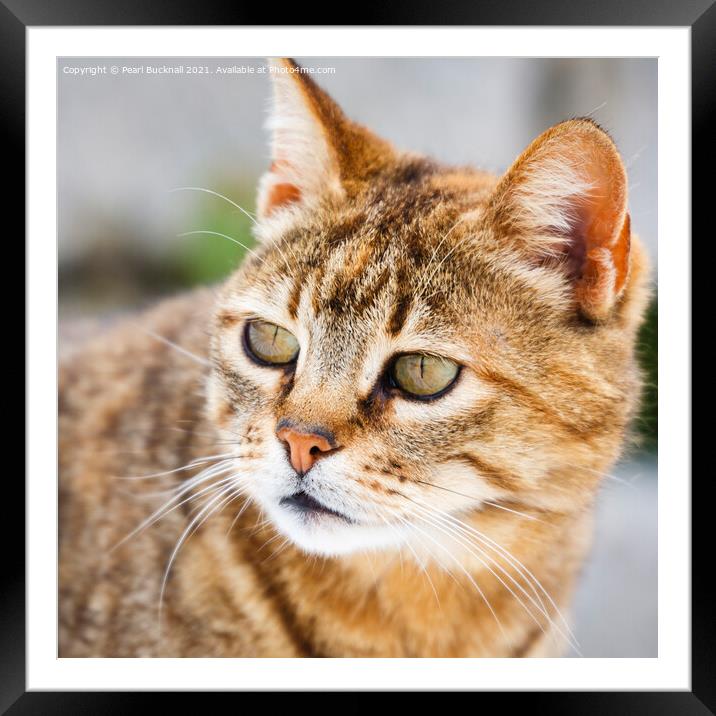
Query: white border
point(671, 670)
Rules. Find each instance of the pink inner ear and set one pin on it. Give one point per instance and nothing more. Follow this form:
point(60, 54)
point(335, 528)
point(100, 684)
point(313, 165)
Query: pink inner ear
point(279, 193)
point(597, 251)
point(597, 248)
point(566, 196)
point(604, 272)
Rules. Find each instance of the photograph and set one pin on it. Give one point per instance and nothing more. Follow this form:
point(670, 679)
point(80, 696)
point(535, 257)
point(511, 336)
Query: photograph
point(357, 357)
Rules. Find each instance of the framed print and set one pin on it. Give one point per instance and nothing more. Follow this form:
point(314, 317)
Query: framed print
point(356, 357)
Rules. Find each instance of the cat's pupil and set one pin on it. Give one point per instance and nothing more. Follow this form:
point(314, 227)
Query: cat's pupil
point(270, 344)
point(423, 376)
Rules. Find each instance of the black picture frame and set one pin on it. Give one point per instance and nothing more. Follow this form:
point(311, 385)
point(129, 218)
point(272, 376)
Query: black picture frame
point(17, 15)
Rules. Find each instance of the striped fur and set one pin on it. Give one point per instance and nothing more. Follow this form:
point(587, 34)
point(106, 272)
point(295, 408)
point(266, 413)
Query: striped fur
point(365, 253)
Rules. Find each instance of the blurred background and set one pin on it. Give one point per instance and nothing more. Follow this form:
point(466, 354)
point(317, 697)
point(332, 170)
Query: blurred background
point(126, 141)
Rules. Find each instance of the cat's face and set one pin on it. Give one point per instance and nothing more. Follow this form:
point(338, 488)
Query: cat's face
point(397, 350)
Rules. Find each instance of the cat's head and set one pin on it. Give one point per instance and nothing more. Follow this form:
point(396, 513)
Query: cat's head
point(411, 340)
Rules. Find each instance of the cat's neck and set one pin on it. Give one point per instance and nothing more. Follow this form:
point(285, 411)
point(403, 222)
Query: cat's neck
point(499, 580)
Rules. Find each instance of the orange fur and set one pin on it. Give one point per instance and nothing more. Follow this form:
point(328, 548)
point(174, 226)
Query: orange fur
point(458, 505)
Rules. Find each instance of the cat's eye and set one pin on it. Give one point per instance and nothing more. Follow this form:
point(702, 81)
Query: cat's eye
point(423, 376)
point(270, 344)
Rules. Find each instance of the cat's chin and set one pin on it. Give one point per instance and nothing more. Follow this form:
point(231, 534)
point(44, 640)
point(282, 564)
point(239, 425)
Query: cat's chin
point(330, 535)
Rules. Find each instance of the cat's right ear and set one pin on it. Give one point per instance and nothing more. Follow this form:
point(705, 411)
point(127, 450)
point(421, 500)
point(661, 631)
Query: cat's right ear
point(317, 153)
point(563, 204)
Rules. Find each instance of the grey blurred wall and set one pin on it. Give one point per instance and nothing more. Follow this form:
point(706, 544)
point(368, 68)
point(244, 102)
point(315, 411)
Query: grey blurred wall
point(125, 140)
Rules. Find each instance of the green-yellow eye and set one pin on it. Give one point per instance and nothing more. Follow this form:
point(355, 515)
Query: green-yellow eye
point(422, 375)
point(270, 344)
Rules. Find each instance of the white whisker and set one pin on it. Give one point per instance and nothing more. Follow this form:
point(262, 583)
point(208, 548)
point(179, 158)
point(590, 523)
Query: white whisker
point(514, 512)
point(480, 499)
point(171, 344)
point(166, 508)
point(426, 279)
point(596, 109)
point(467, 574)
point(454, 534)
point(599, 473)
point(281, 548)
point(189, 466)
point(238, 516)
point(224, 236)
point(216, 193)
point(519, 567)
point(196, 522)
point(422, 566)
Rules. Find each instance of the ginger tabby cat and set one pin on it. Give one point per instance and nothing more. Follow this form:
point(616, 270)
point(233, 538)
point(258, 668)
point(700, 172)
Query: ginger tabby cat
point(384, 433)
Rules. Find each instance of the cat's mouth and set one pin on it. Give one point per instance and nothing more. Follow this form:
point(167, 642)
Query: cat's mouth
point(304, 504)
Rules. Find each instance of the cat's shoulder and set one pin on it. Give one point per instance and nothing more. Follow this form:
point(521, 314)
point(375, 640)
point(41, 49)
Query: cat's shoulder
point(140, 354)
point(179, 316)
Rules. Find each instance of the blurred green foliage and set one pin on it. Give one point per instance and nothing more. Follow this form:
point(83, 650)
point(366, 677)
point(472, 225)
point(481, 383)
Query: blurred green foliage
point(207, 257)
point(648, 421)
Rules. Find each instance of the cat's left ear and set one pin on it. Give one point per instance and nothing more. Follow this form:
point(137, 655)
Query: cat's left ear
point(317, 153)
point(564, 203)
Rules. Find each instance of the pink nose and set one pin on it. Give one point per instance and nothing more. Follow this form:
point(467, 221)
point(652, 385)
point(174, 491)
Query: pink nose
point(306, 448)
